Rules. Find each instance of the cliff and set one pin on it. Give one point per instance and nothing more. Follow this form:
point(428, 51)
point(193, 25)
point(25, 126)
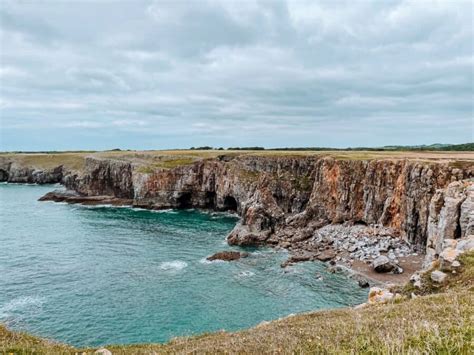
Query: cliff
point(277, 195)
point(284, 197)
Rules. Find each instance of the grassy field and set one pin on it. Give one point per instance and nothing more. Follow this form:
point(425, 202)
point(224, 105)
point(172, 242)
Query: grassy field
point(167, 159)
point(440, 323)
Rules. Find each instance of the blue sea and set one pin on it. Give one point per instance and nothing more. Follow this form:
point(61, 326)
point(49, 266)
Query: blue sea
point(90, 276)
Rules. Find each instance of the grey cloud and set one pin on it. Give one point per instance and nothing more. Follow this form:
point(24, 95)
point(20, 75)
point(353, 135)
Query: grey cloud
point(157, 74)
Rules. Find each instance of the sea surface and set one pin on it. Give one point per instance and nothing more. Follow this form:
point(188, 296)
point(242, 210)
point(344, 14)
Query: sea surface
point(90, 276)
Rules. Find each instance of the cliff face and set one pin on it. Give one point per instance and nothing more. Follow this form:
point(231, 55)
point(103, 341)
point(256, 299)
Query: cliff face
point(280, 195)
point(11, 171)
point(284, 198)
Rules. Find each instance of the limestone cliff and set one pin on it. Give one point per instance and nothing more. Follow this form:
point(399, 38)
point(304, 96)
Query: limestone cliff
point(284, 197)
point(281, 195)
point(11, 171)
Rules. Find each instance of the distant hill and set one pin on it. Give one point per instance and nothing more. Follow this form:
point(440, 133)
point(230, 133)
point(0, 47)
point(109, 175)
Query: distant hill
point(436, 146)
point(431, 147)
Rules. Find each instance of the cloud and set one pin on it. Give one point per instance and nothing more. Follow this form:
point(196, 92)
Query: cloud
point(158, 74)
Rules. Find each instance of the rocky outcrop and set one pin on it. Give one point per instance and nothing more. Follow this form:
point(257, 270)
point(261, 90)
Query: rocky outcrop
point(109, 177)
point(227, 256)
point(451, 217)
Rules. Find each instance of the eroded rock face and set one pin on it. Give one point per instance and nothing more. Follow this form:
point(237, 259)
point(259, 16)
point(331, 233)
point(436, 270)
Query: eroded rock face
point(451, 217)
point(289, 198)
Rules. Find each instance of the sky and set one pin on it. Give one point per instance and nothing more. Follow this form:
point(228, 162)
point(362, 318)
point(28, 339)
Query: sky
point(175, 74)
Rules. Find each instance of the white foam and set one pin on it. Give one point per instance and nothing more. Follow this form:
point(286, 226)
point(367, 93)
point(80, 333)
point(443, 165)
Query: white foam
point(246, 273)
point(217, 261)
point(174, 265)
point(19, 304)
point(168, 210)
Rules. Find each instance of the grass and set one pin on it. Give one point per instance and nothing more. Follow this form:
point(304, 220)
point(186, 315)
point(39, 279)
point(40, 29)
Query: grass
point(166, 163)
point(440, 323)
point(23, 343)
point(436, 324)
point(168, 159)
point(72, 161)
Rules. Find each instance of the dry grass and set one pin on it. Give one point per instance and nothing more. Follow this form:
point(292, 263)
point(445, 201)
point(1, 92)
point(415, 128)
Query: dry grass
point(22, 343)
point(71, 161)
point(168, 159)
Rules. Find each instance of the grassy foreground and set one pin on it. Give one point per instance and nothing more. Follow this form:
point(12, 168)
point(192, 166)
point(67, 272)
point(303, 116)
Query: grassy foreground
point(440, 323)
point(435, 324)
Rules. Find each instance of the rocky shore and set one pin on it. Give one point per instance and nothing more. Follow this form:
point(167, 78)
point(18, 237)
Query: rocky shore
point(379, 213)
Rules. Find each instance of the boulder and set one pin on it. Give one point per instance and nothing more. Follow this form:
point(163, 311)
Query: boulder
point(450, 254)
point(379, 295)
point(363, 283)
point(227, 256)
point(438, 276)
point(300, 257)
point(326, 255)
point(383, 264)
point(466, 244)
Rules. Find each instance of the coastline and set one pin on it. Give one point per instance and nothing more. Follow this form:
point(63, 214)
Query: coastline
point(345, 213)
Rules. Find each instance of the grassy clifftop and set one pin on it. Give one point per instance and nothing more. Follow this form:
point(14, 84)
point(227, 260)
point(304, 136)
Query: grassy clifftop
point(441, 323)
point(148, 160)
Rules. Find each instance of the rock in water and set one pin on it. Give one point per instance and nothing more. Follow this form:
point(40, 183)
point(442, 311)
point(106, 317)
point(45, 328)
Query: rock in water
point(438, 276)
point(363, 283)
point(383, 264)
point(227, 256)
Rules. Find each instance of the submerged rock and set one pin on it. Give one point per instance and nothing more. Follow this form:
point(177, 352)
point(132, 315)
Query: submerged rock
point(227, 256)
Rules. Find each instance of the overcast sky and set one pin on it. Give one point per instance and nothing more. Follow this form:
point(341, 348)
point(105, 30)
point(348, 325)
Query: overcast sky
point(176, 74)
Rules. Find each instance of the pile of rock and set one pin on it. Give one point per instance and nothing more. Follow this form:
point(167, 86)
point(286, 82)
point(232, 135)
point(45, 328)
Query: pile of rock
point(345, 243)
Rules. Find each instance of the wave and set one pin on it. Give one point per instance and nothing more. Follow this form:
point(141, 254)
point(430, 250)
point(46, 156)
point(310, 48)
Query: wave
point(245, 273)
point(174, 265)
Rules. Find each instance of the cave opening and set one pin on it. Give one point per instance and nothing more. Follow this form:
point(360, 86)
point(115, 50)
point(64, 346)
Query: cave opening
point(185, 200)
point(230, 204)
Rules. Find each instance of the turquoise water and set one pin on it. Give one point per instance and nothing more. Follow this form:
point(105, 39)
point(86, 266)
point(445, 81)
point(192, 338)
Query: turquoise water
point(90, 276)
